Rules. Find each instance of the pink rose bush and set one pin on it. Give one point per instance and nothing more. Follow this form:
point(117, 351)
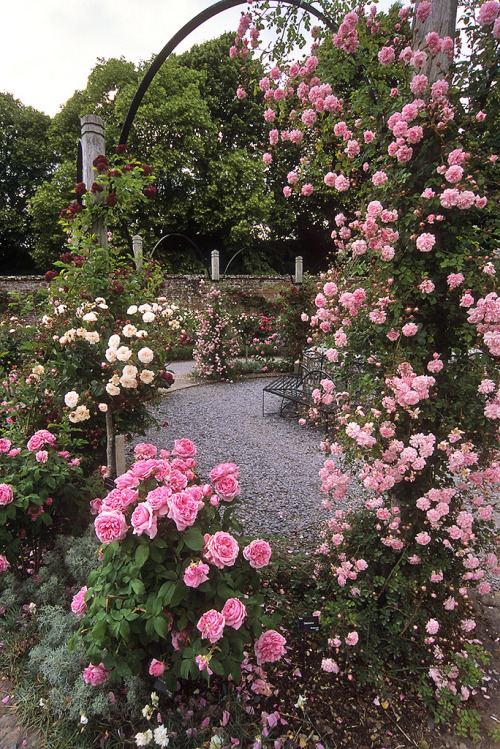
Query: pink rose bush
point(165, 588)
point(410, 329)
point(43, 492)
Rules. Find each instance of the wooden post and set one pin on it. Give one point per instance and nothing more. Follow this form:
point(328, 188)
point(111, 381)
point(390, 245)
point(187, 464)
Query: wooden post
point(137, 250)
point(215, 265)
point(93, 144)
point(299, 269)
point(443, 19)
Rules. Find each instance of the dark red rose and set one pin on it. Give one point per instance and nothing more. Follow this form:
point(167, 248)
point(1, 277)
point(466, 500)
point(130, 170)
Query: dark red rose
point(122, 148)
point(111, 200)
point(101, 164)
point(168, 377)
point(80, 189)
point(96, 187)
point(128, 168)
point(50, 275)
point(147, 169)
point(114, 173)
point(150, 192)
point(66, 257)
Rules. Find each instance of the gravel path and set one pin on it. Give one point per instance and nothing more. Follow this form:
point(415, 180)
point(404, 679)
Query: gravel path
point(278, 459)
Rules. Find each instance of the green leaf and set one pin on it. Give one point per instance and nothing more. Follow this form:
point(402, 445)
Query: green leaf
point(193, 538)
point(161, 626)
point(141, 555)
point(138, 586)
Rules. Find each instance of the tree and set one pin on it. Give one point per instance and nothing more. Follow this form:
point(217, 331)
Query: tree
point(25, 161)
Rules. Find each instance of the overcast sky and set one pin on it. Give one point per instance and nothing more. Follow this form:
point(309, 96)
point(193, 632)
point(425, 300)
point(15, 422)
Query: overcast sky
point(49, 47)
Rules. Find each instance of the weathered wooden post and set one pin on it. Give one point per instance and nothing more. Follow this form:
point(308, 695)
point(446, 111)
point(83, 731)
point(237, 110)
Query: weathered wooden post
point(299, 269)
point(93, 144)
point(215, 265)
point(137, 250)
point(443, 19)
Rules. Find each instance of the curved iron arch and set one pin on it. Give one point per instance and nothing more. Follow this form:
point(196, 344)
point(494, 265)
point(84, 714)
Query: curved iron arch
point(193, 24)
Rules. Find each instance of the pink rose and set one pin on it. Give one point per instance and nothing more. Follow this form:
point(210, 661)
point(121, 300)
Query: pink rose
point(227, 488)
point(234, 612)
point(95, 675)
point(196, 574)
point(6, 494)
point(221, 549)
point(78, 605)
point(352, 638)
point(110, 526)
point(156, 668)
point(158, 499)
point(432, 626)
point(184, 448)
point(144, 451)
point(5, 445)
point(183, 509)
point(181, 637)
point(257, 553)
point(223, 470)
point(144, 520)
point(211, 625)
point(4, 563)
point(269, 647)
point(40, 438)
point(410, 329)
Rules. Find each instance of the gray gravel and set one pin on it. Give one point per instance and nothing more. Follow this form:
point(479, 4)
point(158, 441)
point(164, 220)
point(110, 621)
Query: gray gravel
point(278, 459)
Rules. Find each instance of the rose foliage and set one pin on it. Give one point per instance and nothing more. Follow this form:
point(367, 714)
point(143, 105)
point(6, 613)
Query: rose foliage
point(409, 320)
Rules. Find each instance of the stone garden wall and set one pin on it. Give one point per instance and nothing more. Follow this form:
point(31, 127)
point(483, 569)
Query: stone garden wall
point(183, 290)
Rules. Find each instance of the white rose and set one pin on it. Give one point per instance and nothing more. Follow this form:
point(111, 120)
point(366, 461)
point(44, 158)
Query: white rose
point(83, 413)
point(132, 309)
point(111, 355)
point(114, 341)
point(146, 376)
point(148, 317)
point(90, 317)
point(112, 389)
point(92, 337)
point(145, 355)
point(123, 353)
point(71, 399)
point(129, 331)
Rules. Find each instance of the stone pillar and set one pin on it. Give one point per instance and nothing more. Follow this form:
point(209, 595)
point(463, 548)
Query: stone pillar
point(299, 269)
point(137, 249)
point(215, 265)
point(93, 144)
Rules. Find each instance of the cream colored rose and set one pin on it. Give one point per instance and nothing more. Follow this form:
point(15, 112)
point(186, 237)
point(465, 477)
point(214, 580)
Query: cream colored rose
point(71, 399)
point(145, 355)
point(112, 389)
point(147, 376)
point(123, 353)
point(114, 341)
point(129, 331)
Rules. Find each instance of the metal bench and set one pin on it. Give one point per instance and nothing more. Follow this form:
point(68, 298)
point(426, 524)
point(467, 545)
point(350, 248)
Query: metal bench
point(297, 388)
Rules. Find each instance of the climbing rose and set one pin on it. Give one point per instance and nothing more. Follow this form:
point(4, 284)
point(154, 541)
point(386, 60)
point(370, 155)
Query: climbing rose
point(269, 647)
point(425, 242)
point(488, 12)
point(432, 626)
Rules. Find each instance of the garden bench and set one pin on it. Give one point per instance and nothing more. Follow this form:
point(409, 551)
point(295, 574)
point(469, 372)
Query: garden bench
point(296, 388)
